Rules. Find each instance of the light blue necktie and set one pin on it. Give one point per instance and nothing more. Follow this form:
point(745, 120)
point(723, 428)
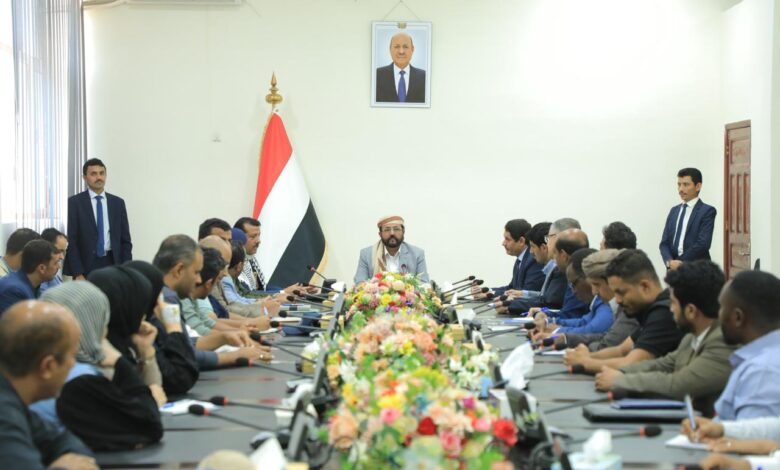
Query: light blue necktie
point(101, 240)
point(402, 88)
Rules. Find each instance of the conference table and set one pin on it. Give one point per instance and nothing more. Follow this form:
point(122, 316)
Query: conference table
point(190, 438)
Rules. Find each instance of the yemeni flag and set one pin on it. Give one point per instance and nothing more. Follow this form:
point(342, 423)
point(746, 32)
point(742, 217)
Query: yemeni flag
point(292, 238)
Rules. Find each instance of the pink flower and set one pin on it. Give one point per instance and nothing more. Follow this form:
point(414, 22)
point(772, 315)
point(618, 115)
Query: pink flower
point(451, 443)
point(482, 425)
point(389, 415)
point(469, 403)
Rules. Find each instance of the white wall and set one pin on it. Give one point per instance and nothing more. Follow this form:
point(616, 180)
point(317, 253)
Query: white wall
point(540, 109)
point(748, 49)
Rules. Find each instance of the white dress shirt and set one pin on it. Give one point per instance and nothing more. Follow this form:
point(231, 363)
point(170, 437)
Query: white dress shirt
point(393, 263)
point(696, 342)
point(687, 218)
point(106, 228)
point(397, 73)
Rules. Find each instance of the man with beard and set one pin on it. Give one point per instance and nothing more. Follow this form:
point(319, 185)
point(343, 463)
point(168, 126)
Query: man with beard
point(700, 366)
point(391, 253)
point(638, 290)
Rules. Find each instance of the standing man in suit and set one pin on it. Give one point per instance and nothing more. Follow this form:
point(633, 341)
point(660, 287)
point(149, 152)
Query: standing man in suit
point(98, 230)
point(527, 273)
point(391, 253)
point(399, 82)
point(688, 232)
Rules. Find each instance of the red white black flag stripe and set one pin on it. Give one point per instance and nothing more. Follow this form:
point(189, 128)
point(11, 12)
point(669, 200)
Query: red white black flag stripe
point(292, 237)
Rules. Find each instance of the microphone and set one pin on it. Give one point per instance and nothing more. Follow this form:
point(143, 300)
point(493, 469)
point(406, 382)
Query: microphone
point(219, 400)
point(286, 314)
point(518, 329)
point(488, 296)
point(257, 337)
point(610, 396)
point(290, 298)
point(199, 410)
point(311, 269)
point(276, 324)
point(478, 282)
point(295, 354)
point(305, 295)
point(577, 369)
point(326, 289)
point(484, 290)
point(643, 431)
point(244, 362)
point(465, 279)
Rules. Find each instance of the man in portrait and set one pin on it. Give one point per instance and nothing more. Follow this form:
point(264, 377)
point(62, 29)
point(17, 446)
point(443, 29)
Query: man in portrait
point(399, 82)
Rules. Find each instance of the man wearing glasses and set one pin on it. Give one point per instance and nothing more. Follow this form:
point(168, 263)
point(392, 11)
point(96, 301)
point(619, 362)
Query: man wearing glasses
point(391, 253)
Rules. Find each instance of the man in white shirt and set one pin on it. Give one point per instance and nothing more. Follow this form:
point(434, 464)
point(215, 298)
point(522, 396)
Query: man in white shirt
point(688, 231)
point(391, 253)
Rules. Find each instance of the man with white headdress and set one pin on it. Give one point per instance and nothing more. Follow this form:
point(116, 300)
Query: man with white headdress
point(391, 253)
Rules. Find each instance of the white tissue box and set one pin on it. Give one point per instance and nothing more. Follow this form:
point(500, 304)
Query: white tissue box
point(578, 462)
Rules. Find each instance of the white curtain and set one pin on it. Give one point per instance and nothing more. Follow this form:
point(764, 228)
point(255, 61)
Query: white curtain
point(50, 135)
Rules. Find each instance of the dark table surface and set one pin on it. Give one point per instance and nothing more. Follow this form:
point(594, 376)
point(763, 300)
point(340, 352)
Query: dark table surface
point(190, 438)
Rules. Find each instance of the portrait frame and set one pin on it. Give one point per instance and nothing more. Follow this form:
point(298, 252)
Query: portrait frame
point(383, 77)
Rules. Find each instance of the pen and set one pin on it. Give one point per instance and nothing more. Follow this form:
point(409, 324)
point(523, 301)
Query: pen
point(689, 407)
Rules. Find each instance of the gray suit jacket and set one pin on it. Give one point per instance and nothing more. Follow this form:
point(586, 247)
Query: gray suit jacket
point(702, 374)
point(412, 261)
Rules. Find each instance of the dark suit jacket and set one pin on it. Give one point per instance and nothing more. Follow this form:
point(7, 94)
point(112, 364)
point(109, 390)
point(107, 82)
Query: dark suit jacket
point(385, 85)
point(552, 297)
point(82, 233)
point(15, 287)
point(698, 235)
point(528, 277)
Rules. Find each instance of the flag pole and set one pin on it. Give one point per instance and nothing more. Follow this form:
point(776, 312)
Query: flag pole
point(273, 98)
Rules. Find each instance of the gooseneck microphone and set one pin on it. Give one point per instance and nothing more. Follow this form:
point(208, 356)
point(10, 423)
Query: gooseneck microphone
point(576, 369)
point(610, 396)
point(220, 400)
point(316, 305)
point(477, 282)
point(200, 410)
point(311, 268)
point(244, 362)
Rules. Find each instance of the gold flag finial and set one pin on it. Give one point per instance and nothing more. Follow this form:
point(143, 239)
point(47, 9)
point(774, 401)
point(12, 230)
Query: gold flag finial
point(273, 98)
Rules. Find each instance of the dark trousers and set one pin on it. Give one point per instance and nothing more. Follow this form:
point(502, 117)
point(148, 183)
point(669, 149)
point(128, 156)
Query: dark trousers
point(101, 262)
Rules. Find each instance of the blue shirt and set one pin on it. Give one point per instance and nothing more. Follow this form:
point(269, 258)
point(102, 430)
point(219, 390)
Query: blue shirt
point(598, 320)
point(231, 293)
point(547, 269)
point(572, 307)
point(53, 283)
point(752, 388)
point(15, 287)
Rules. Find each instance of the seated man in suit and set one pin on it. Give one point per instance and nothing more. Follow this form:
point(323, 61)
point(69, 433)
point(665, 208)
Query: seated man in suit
point(39, 265)
point(554, 285)
point(638, 290)
point(688, 231)
point(12, 259)
point(60, 242)
point(399, 82)
point(526, 273)
point(391, 253)
point(699, 367)
point(618, 236)
point(598, 319)
point(98, 230)
point(38, 345)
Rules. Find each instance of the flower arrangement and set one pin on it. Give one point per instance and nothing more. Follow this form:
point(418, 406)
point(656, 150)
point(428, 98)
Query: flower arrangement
point(407, 386)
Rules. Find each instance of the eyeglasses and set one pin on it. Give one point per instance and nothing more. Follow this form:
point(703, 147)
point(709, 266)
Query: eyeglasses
point(398, 229)
point(547, 238)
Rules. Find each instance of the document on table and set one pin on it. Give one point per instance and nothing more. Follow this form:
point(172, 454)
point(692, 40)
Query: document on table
point(554, 353)
point(681, 441)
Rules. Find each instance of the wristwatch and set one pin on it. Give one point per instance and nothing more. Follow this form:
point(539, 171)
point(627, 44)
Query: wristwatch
point(669, 264)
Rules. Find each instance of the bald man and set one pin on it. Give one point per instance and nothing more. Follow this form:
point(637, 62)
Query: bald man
point(400, 82)
point(38, 344)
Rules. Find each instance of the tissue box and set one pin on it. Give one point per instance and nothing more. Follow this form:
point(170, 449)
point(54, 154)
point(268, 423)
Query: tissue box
point(578, 462)
point(457, 331)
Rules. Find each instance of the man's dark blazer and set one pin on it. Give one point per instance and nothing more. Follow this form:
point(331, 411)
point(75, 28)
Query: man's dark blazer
point(16, 287)
point(552, 297)
point(698, 235)
point(82, 233)
point(385, 85)
point(528, 277)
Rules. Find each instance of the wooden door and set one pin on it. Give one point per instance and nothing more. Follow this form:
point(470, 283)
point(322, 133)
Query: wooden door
point(736, 226)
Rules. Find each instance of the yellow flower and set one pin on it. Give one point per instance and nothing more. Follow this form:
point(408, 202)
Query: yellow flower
point(386, 299)
point(407, 348)
point(391, 401)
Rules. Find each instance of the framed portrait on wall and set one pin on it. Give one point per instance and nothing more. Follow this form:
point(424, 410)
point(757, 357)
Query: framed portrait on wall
point(401, 64)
